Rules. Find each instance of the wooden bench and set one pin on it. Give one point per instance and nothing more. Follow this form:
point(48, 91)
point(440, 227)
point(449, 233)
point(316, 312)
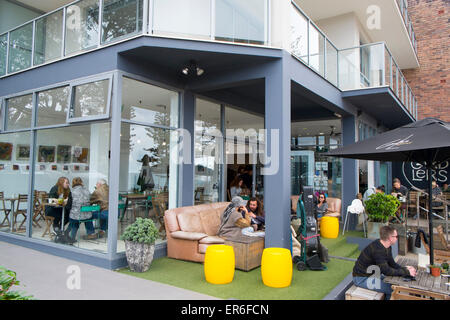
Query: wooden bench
point(403, 293)
point(357, 293)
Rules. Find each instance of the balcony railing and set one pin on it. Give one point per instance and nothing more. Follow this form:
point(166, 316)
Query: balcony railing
point(403, 6)
point(90, 24)
point(366, 66)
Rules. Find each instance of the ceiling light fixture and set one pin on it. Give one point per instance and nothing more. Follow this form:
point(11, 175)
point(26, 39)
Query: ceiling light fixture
point(192, 69)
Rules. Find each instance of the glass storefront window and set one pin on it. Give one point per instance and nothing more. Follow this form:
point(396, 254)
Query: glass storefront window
point(81, 26)
point(14, 181)
point(53, 106)
point(3, 49)
point(147, 103)
point(48, 38)
point(181, 17)
point(148, 175)
point(20, 48)
point(241, 21)
point(19, 112)
point(120, 18)
point(90, 99)
point(74, 152)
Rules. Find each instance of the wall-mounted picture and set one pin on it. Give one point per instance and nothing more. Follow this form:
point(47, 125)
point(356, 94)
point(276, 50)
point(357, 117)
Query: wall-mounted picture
point(27, 167)
point(76, 168)
point(63, 154)
point(2, 166)
point(42, 167)
point(80, 155)
point(15, 167)
point(6, 151)
point(54, 167)
point(86, 168)
point(46, 154)
point(23, 152)
point(65, 168)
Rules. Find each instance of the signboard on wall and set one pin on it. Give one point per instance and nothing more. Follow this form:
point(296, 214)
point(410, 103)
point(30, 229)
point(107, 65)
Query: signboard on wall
point(416, 174)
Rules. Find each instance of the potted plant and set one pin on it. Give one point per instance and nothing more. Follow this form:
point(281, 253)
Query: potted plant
point(435, 270)
point(380, 208)
point(140, 240)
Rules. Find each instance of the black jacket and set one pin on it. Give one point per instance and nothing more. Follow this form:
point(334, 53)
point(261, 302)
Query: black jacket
point(57, 212)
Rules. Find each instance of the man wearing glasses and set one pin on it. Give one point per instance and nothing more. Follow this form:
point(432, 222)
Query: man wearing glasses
point(376, 261)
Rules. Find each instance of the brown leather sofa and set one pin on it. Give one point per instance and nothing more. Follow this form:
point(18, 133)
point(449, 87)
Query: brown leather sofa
point(334, 206)
point(190, 230)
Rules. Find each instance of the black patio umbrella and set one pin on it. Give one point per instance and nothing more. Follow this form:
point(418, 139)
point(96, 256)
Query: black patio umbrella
point(426, 141)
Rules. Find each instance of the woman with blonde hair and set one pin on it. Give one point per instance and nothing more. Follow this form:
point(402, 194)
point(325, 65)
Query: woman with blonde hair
point(60, 190)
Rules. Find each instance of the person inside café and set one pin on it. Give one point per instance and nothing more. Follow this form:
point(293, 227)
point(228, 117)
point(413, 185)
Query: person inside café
point(234, 219)
point(398, 190)
point(80, 198)
point(60, 191)
point(247, 176)
point(445, 187)
point(377, 256)
point(256, 212)
point(237, 187)
point(436, 191)
point(100, 197)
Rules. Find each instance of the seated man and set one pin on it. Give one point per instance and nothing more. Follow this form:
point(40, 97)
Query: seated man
point(376, 261)
point(255, 210)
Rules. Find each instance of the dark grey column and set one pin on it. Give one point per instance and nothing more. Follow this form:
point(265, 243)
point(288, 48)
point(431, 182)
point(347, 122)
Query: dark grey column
point(187, 169)
point(277, 185)
point(349, 170)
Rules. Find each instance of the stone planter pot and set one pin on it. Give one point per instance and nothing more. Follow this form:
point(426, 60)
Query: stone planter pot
point(373, 229)
point(139, 255)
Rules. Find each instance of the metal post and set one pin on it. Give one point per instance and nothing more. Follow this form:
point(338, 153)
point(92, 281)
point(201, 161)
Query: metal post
point(100, 23)
point(32, 43)
point(7, 54)
point(430, 210)
point(63, 42)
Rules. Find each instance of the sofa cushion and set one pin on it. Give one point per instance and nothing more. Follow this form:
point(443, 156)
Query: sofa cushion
point(210, 221)
point(190, 222)
point(202, 247)
point(172, 221)
point(212, 240)
point(194, 236)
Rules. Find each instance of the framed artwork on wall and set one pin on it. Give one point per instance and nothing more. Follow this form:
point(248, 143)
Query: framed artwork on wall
point(80, 155)
point(63, 154)
point(23, 152)
point(46, 154)
point(6, 151)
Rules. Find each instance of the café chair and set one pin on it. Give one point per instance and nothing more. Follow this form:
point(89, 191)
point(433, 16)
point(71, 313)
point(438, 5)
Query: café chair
point(23, 198)
point(5, 211)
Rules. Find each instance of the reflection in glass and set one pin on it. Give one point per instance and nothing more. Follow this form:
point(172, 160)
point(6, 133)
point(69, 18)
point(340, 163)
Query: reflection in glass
point(241, 21)
point(19, 112)
point(90, 99)
point(121, 17)
point(147, 103)
point(332, 62)
point(76, 151)
point(14, 171)
point(82, 26)
point(299, 35)
point(52, 106)
point(316, 50)
point(20, 48)
point(207, 117)
point(3, 49)
point(48, 38)
point(181, 17)
point(148, 175)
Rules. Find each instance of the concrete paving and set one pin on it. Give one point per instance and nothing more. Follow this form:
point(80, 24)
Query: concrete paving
point(48, 277)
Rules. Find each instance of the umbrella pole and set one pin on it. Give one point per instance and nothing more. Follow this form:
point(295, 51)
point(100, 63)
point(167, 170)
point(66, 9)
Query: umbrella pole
point(430, 213)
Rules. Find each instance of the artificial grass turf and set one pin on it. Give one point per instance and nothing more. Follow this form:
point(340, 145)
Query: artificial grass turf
point(306, 285)
point(340, 248)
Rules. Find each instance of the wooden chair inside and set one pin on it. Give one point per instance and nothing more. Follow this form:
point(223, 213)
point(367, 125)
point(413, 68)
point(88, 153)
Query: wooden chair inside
point(440, 256)
point(20, 210)
point(444, 242)
point(38, 208)
point(48, 221)
point(5, 211)
point(403, 293)
point(413, 205)
point(159, 207)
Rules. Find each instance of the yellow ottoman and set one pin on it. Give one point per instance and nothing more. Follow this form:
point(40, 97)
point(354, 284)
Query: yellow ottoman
point(219, 264)
point(276, 267)
point(329, 227)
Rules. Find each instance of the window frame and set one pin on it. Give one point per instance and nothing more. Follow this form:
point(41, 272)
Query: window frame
point(74, 84)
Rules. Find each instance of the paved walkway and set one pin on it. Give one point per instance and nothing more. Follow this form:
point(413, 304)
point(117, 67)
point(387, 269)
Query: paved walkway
point(49, 277)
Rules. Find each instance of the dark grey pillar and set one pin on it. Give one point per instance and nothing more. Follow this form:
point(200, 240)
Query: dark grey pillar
point(187, 169)
point(349, 170)
point(277, 185)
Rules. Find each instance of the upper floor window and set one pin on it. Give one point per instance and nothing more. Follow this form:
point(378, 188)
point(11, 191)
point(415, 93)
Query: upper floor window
point(19, 112)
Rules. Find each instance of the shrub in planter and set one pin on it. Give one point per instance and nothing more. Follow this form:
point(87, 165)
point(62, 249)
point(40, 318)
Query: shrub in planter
point(140, 240)
point(380, 208)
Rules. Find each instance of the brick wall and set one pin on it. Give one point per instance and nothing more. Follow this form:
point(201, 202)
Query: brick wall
point(431, 82)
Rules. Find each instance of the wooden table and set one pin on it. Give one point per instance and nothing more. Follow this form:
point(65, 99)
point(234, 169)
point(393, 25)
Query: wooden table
point(424, 280)
point(248, 252)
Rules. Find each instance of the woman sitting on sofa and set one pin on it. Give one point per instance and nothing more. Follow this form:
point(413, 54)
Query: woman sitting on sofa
point(232, 221)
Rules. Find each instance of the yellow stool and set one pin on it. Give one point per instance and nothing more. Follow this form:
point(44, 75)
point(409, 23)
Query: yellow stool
point(219, 264)
point(329, 227)
point(276, 267)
